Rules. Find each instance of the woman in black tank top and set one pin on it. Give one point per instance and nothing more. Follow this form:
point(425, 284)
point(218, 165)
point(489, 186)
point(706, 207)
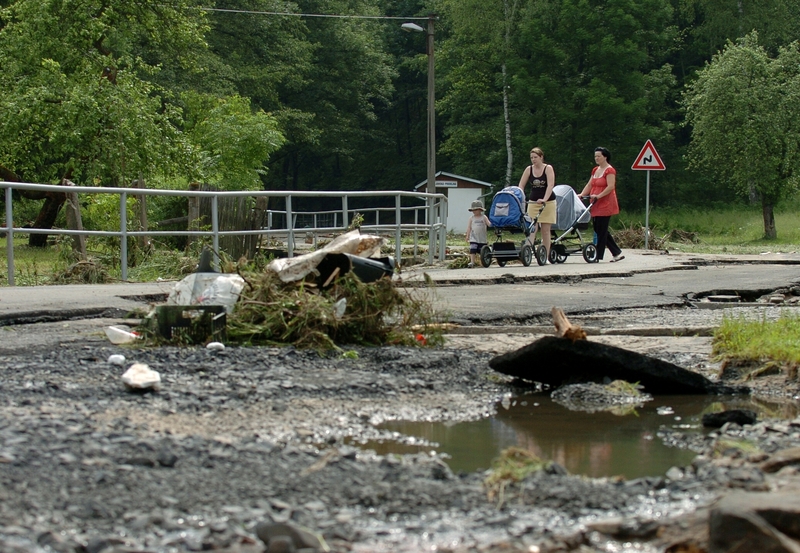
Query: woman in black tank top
point(541, 178)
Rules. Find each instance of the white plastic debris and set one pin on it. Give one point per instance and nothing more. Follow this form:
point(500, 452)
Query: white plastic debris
point(353, 242)
point(141, 377)
point(339, 308)
point(207, 289)
point(121, 334)
point(215, 346)
point(116, 359)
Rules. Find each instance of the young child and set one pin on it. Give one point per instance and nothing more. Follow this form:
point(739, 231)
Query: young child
point(477, 234)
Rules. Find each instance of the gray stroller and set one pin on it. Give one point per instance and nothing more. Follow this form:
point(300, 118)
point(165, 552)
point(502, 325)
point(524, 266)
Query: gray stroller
point(572, 217)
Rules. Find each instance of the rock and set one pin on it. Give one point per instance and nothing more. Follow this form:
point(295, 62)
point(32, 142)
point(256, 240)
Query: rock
point(141, 377)
point(98, 545)
point(166, 458)
point(556, 361)
point(592, 397)
point(284, 536)
point(782, 458)
point(738, 416)
point(116, 359)
point(749, 522)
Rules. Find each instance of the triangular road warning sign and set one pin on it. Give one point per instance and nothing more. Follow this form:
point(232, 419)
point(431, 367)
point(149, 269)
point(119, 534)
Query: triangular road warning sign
point(648, 159)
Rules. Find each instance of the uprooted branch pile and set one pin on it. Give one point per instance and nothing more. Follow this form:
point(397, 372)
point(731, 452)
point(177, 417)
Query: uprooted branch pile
point(271, 312)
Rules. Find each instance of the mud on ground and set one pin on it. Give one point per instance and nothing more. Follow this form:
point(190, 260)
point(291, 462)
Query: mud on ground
point(253, 435)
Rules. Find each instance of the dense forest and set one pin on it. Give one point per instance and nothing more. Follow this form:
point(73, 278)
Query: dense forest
point(332, 94)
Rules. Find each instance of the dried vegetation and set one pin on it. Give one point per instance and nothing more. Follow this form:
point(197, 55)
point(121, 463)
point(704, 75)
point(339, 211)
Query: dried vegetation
point(271, 312)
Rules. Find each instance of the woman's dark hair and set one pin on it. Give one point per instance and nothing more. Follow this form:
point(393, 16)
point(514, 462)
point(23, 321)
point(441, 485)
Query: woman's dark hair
point(605, 152)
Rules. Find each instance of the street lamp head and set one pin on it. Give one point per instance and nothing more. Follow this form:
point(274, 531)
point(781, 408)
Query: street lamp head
point(412, 27)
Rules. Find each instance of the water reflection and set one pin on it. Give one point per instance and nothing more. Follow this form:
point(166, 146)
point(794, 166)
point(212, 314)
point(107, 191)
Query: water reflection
point(594, 444)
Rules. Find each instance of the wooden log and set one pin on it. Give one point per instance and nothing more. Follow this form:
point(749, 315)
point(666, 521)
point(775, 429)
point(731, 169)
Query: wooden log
point(564, 328)
point(556, 361)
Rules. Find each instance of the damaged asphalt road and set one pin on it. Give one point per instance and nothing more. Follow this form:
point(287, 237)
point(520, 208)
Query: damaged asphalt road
point(260, 436)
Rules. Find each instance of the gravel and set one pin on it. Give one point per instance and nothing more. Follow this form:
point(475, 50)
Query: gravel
point(255, 438)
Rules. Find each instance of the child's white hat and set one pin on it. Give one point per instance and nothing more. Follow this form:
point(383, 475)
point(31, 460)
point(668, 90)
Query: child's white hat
point(477, 204)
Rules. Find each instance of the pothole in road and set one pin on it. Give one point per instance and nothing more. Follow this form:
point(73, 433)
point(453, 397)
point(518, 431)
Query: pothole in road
point(624, 442)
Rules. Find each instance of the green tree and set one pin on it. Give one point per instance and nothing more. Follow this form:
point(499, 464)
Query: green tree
point(592, 73)
point(79, 101)
point(328, 103)
point(476, 100)
point(713, 22)
point(233, 141)
point(744, 113)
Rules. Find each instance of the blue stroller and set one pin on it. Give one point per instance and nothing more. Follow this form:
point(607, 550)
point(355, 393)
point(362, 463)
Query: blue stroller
point(507, 214)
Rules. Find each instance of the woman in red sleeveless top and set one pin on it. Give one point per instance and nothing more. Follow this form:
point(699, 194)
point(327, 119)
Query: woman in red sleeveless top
point(602, 189)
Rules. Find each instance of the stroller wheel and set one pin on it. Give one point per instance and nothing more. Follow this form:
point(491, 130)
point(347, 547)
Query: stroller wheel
point(590, 253)
point(526, 255)
point(558, 253)
point(486, 256)
point(541, 254)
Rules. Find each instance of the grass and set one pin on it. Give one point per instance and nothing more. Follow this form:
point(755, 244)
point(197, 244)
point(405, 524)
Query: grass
point(734, 230)
point(34, 266)
point(513, 465)
point(760, 344)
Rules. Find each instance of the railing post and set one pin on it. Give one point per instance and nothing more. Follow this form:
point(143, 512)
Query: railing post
point(289, 227)
point(416, 222)
point(215, 229)
point(123, 230)
point(345, 221)
point(442, 230)
point(397, 226)
point(9, 237)
point(431, 219)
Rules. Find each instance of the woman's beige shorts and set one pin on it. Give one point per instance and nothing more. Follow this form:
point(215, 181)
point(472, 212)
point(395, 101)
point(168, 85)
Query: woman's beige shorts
point(548, 216)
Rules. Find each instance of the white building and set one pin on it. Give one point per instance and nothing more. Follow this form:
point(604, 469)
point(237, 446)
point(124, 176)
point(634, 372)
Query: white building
point(460, 192)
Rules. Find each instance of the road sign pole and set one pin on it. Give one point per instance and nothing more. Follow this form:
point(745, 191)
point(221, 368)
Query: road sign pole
point(647, 160)
point(647, 214)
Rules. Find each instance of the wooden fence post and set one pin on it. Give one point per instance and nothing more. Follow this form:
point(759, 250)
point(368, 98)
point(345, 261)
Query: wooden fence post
point(144, 241)
point(74, 221)
point(194, 212)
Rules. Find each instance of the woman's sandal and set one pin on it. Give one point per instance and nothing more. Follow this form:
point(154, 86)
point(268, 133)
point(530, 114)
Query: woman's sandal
point(619, 257)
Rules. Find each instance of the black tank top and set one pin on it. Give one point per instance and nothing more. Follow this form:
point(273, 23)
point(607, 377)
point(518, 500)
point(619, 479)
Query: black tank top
point(538, 185)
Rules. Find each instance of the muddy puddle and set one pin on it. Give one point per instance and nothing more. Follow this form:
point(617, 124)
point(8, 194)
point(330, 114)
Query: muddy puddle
point(620, 442)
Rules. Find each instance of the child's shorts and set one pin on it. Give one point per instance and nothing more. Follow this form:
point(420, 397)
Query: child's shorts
point(474, 247)
point(548, 216)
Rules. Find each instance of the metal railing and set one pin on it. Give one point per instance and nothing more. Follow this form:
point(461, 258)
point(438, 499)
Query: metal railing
point(432, 207)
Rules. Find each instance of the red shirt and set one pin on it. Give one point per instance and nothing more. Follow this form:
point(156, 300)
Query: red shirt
point(607, 205)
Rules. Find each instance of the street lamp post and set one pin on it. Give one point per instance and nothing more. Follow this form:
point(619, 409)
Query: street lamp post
point(431, 154)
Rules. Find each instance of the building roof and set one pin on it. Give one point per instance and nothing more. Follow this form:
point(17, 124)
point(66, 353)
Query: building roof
point(453, 176)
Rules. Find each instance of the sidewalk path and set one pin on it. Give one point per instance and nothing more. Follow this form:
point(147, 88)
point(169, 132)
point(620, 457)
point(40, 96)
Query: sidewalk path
point(465, 290)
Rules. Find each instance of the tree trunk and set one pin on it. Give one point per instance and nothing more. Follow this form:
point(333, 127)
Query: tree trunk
point(509, 13)
point(770, 232)
point(507, 121)
point(47, 217)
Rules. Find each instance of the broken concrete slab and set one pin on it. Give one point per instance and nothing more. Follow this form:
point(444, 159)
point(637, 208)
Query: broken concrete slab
point(556, 361)
point(745, 522)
